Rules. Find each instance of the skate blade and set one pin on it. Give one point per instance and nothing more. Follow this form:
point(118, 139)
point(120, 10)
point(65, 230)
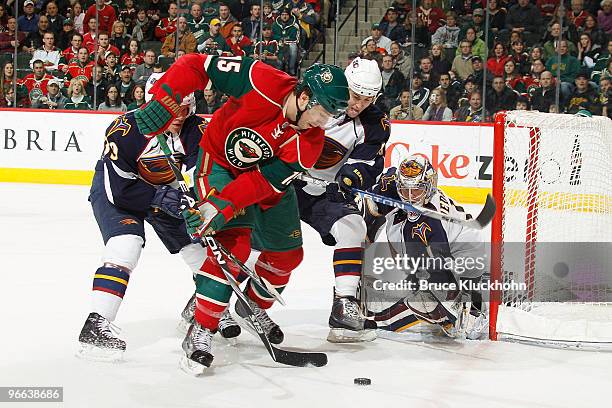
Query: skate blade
point(183, 326)
point(232, 341)
point(191, 367)
point(350, 336)
point(94, 353)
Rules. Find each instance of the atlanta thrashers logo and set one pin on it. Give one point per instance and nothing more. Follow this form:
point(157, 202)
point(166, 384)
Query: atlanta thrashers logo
point(244, 148)
point(420, 231)
point(333, 152)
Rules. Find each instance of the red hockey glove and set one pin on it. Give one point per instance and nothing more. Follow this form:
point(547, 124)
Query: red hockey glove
point(212, 214)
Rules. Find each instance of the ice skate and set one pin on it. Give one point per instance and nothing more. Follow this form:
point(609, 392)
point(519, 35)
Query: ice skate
point(187, 314)
point(347, 323)
point(274, 333)
point(228, 327)
point(197, 346)
point(98, 342)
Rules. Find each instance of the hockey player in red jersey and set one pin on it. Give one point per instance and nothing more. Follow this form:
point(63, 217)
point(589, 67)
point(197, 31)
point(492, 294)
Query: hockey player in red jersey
point(266, 134)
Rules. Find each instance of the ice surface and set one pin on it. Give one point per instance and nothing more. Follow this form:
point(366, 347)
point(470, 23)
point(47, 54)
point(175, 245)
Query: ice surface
point(50, 247)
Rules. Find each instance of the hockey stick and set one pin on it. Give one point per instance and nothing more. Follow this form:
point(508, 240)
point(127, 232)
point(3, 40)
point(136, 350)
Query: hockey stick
point(292, 358)
point(190, 203)
point(252, 274)
point(482, 220)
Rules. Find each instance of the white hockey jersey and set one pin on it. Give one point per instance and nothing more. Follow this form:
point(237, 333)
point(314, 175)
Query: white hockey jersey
point(358, 141)
point(415, 235)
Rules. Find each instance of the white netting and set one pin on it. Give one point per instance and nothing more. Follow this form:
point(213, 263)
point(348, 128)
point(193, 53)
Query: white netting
point(557, 188)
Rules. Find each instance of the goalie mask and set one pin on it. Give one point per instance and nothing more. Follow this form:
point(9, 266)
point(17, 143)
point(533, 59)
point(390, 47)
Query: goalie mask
point(416, 180)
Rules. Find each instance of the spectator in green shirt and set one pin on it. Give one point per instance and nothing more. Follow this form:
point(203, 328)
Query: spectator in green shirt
point(568, 67)
point(78, 99)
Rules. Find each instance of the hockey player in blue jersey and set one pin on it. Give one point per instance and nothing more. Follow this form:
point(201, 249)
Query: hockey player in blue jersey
point(353, 157)
point(413, 235)
point(134, 183)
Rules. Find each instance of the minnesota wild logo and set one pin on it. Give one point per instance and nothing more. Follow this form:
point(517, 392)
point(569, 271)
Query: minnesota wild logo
point(244, 148)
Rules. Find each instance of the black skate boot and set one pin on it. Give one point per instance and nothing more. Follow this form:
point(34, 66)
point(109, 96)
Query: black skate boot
point(228, 327)
point(187, 314)
point(98, 342)
point(197, 346)
point(274, 333)
point(348, 324)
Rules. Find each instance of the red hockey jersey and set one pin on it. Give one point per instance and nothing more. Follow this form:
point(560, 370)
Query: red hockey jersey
point(35, 87)
point(250, 131)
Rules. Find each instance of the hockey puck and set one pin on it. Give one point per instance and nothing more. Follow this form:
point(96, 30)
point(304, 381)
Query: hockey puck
point(362, 381)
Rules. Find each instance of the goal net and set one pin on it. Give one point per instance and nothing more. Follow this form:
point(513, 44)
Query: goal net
point(553, 229)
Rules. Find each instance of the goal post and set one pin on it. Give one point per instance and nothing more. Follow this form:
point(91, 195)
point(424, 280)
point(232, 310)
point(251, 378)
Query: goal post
point(552, 181)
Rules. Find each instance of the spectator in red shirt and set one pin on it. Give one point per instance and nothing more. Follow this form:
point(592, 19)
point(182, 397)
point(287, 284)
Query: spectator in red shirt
point(167, 25)
point(496, 63)
point(133, 57)
point(7, 39)
point(104, 47)
point(82, 68)
point(577, 14)
point(106, 15)
point(89, 39)
point(430, 16)
point(35, 83)
point(547, 8)
point(240, 44)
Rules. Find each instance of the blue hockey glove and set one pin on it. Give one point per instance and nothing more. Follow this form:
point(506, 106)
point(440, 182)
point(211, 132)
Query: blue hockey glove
point(333, 193)
point(349, 177)
point(168, 200)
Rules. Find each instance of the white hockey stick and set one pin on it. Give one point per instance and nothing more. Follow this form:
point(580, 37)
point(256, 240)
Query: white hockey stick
point(190, 202)
point(482, 220)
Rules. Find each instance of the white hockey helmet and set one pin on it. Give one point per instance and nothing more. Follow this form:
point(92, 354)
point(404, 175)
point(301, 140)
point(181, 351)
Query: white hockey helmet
point(364, 77)
point(416, 180)
point(188, 100)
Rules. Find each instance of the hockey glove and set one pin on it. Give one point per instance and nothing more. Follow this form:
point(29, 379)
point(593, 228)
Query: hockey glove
point(349, 177)
point(333, 193)
point(168, 200)
point(155, 116)
point(210, 216)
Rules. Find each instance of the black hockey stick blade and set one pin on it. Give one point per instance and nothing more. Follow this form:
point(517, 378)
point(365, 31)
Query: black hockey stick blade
point(287, 357)
point(486, 214)
point(300, 359)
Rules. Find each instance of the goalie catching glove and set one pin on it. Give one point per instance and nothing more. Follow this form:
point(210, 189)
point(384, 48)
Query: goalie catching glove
point(210, 216)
